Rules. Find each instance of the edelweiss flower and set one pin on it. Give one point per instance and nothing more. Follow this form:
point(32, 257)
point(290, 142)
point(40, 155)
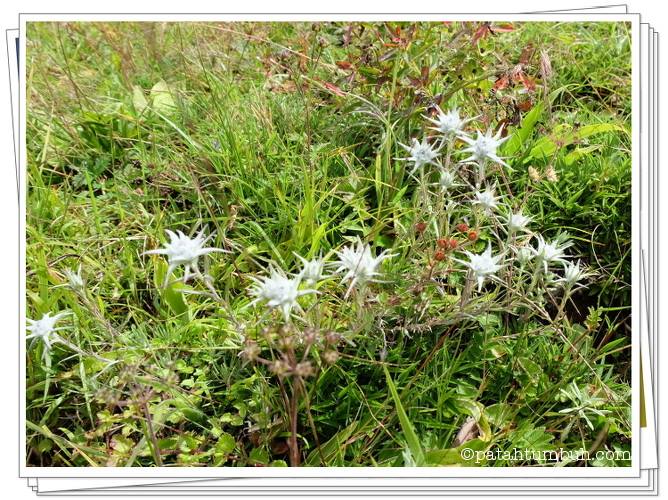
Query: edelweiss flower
point(45, 330)
point(449, 124)
point(573, 273)
point(185, 251)
point(524, 255)
point(551, 252)
point(447, 180)
point(484, 147)
point(483, 266)
point(486, 199)
point(313, 270)
point(74, 279)
point(358, 264)
point(279, 291)
point(517, 222)
point(421, 153)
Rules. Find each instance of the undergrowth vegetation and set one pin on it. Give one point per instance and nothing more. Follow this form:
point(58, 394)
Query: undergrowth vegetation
point(327, 244)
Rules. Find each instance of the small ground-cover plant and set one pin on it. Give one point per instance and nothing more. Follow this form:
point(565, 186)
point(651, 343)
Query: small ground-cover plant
point(386, 242)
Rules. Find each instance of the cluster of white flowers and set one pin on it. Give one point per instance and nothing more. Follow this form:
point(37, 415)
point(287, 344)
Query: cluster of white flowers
point(450, 126)
point(484, 149)
point(355, 262)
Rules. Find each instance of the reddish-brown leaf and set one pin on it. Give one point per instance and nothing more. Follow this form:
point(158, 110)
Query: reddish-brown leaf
point(525, 105)
point(424, 75)
point(528, 82)
point(502, 28)
point(526, 54)
point(334, 89)
point(501, 83)
point(481, 33)
point(344, 64)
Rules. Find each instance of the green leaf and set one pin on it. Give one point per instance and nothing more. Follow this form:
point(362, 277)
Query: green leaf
point(138, 99)
point(409, 432)
point(122, 444)
point(225, 444)
point(471, 453)
point(173, 296)
point(578, 153)
point(523, 133)
point(468, 407)
point(499, 414)
point(162, 100)
point(531, 368)
point(332, 448)
point(259, 456)
point(564, 135)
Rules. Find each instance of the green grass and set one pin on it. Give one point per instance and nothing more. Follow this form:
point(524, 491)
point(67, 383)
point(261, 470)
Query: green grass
point(283, 139)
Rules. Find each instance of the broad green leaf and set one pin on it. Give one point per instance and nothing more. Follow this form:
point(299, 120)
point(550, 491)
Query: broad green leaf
point(162, 100)
point(174, 297)
point(259, 456)
point(122, 444)
point(578, 153)
point(138, 99)
point(564, 135)
point(225, 444)
point(468, 407)
point(499, 414)
point(523, 133)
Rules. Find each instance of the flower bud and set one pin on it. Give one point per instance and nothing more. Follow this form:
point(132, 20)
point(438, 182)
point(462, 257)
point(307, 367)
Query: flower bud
point(279, 367)
point(310, 336)
point(533, 174)
point(472, 235)
point(462, 227)
point(330, 357)
point(304, 369)
point(442, 242)
point(251, 351)
point(332, 338)
point(286, 343)
point(439, 255)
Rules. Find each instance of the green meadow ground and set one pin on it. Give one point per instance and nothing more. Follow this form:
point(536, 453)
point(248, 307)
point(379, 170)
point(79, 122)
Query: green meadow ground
point(283, 138)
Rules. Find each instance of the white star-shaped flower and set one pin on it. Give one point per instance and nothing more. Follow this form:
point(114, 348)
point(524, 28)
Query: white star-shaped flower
point(524, 255)
point(312, 270)
point(449, 124)
point(483, 266)
point(278, 290)
point(420, 154)
point(484, 147)
point(551, 252)
point(45, 330)
point(74, 279)
point(517, 222)
point(573, 273)
point(184, 251)
point(447, 180)
point(358, 265)
point(486, 199)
